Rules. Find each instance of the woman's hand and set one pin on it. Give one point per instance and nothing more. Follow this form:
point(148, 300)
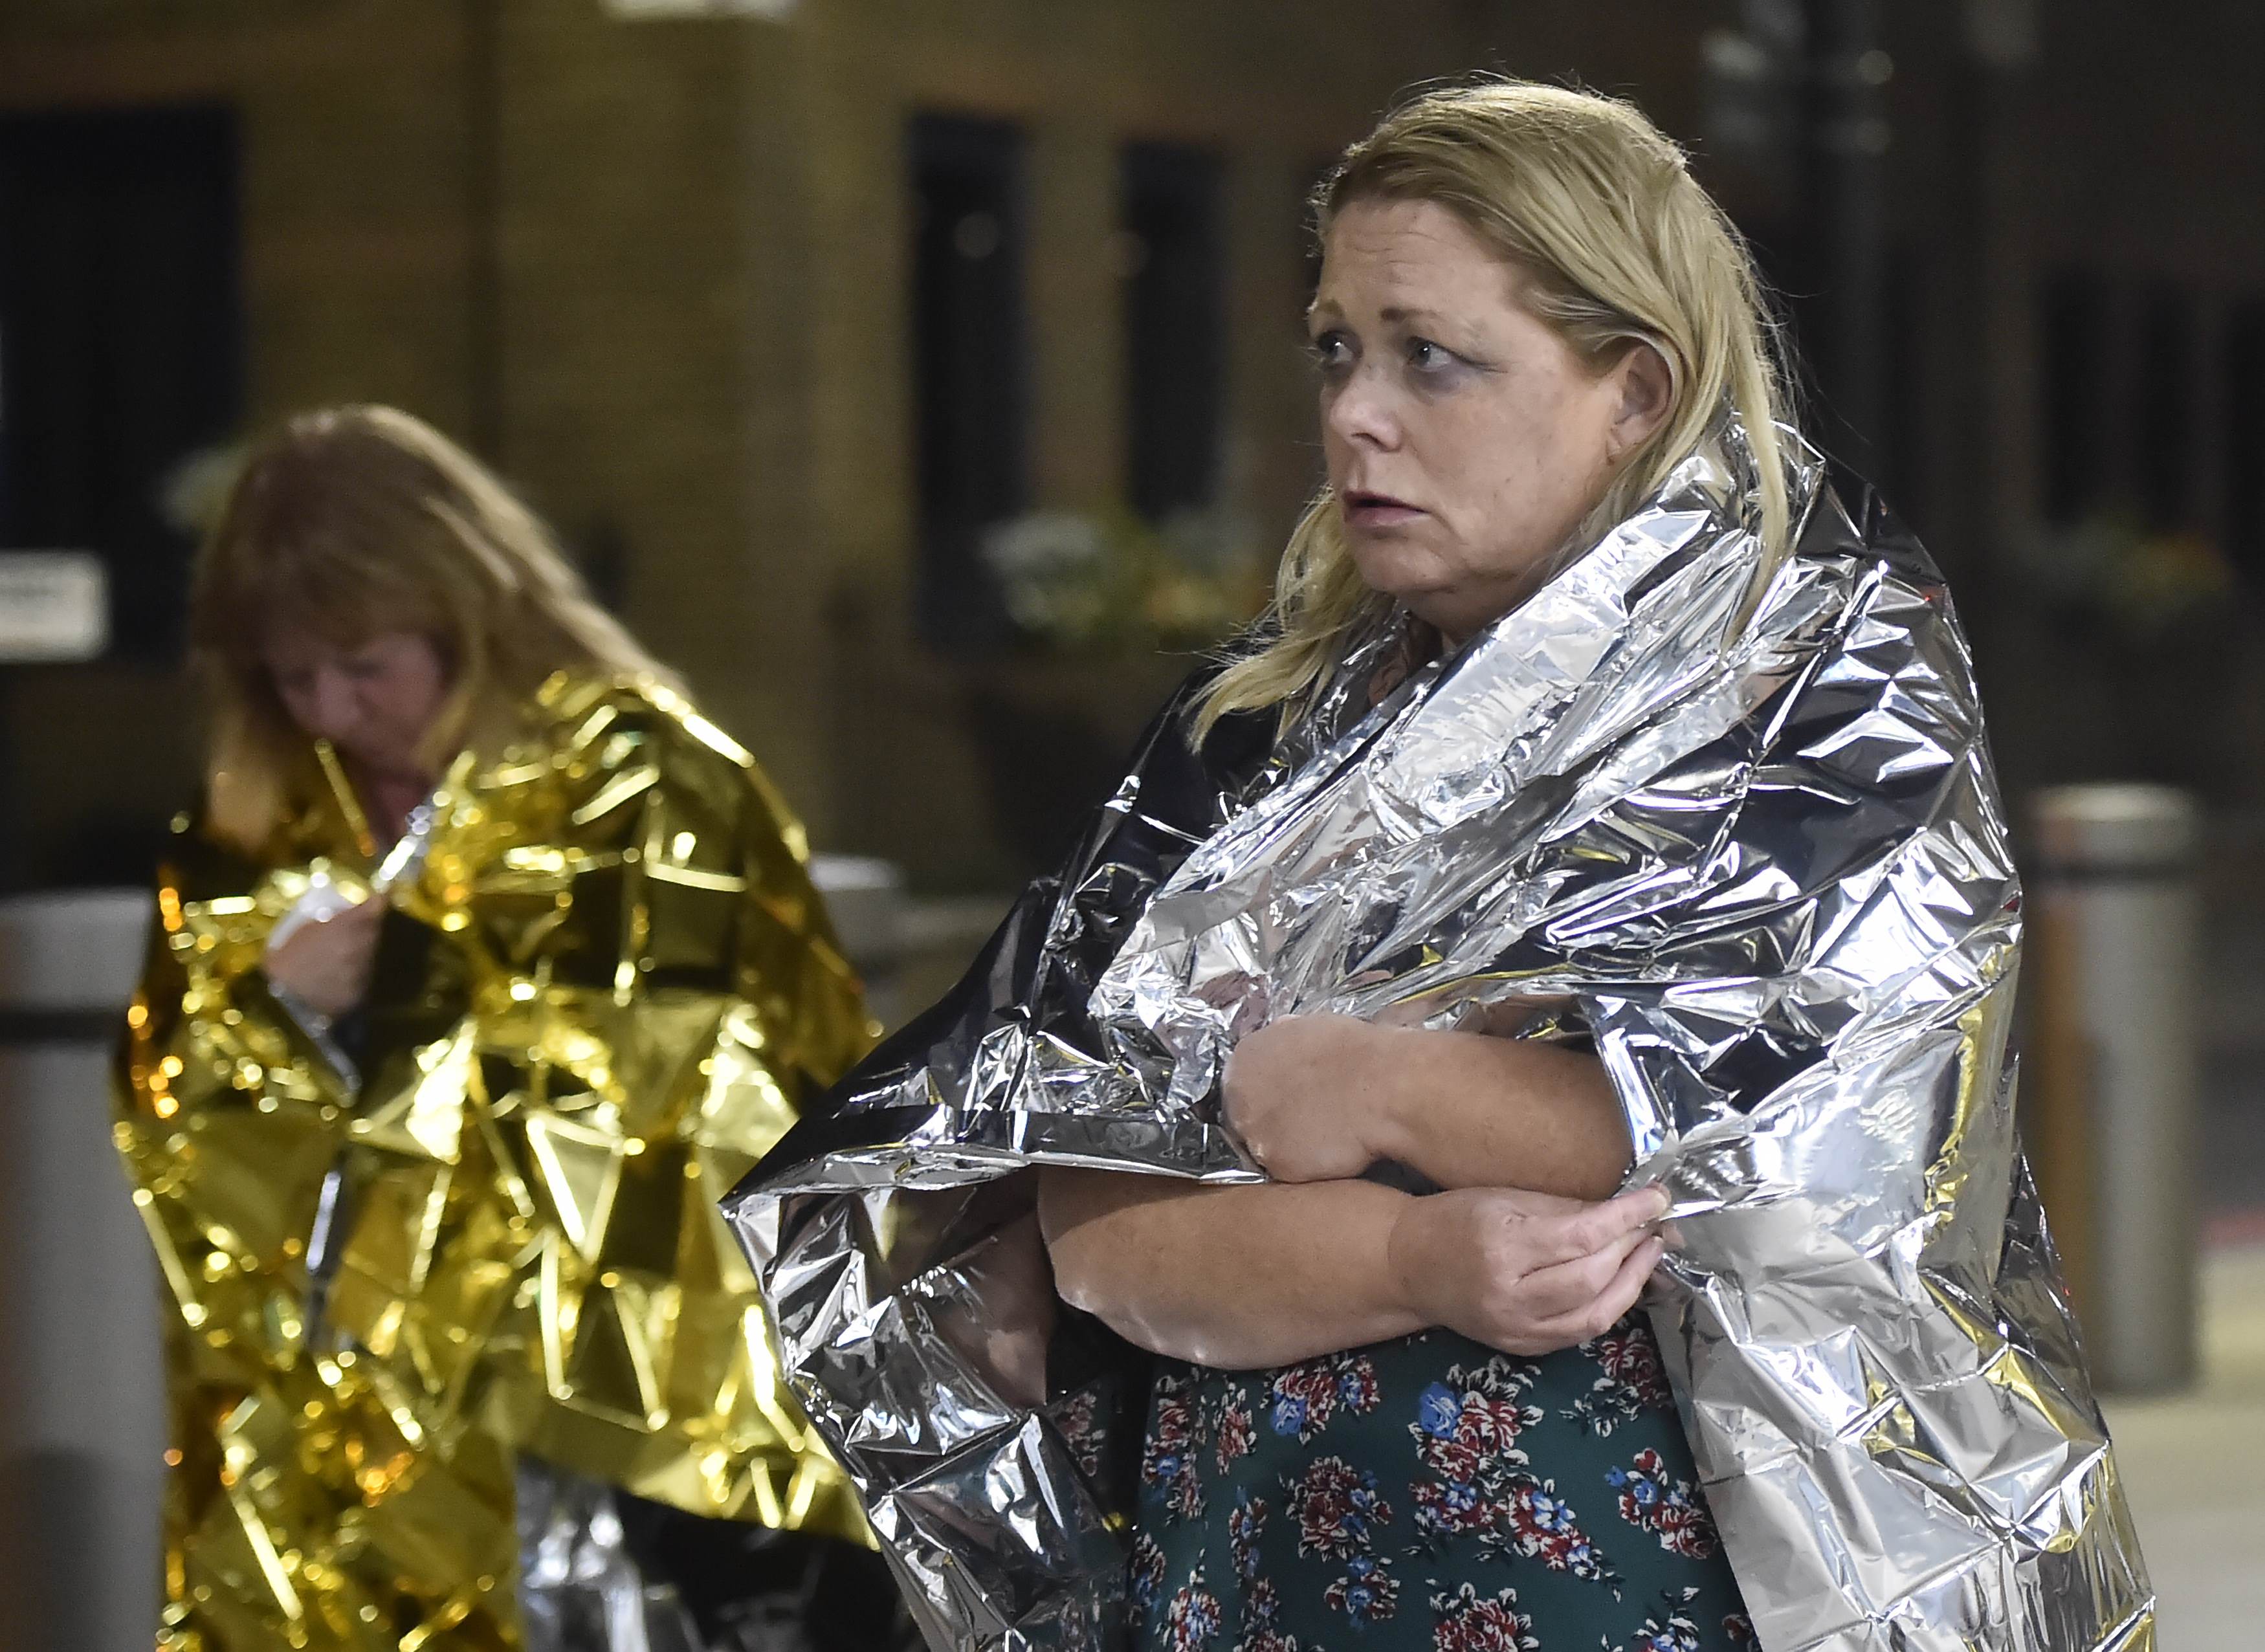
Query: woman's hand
point(326, 964)
point(1527, 1273)
point(1302, 1095)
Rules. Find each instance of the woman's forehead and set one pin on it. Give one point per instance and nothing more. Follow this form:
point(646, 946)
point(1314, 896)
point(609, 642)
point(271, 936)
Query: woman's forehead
point(1406, 255)
point(296, 641)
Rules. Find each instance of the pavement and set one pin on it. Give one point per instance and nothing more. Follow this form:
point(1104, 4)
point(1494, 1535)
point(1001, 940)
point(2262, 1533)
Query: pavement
point(2195, 1466)
point(2195, 1462)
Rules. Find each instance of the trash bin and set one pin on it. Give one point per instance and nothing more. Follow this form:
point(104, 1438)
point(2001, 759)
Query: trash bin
point(82, 1385)
point(2109, 1083)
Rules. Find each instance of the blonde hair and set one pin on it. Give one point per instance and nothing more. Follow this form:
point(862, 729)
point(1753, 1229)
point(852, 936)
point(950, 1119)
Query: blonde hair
point(356, 521)
point(1618, 247)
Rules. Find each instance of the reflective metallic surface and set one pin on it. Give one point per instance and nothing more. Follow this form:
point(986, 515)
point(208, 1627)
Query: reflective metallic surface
point(595, 1001)
point(1738, 826)
point(599, 1573)
point(579, 1586)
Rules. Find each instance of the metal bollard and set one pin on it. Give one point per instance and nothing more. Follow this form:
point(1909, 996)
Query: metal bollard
point(2109, 1089)
point(866, 897)
point(81, 1383)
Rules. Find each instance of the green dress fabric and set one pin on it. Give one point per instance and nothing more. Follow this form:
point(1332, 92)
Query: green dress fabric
point(1429, 1494)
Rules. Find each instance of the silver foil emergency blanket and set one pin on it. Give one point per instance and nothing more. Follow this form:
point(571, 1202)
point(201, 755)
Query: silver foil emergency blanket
point(580, 1590)
point(1735, 824)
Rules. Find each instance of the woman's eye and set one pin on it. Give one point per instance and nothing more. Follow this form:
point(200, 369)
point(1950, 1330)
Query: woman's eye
point(1330, 351)
point(1426, 357)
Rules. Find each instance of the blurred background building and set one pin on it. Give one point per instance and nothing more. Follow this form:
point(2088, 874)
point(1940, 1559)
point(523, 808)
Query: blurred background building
point(775, 308)
point(925, 377)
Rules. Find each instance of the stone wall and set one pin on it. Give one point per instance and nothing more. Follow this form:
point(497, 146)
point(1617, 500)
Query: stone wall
point(657, 271)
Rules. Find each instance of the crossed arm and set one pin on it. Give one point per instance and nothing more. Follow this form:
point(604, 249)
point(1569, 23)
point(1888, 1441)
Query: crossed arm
point(1525, 1251)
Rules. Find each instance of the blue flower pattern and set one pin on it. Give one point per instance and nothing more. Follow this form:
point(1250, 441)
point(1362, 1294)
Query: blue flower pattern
point(1429, 1495)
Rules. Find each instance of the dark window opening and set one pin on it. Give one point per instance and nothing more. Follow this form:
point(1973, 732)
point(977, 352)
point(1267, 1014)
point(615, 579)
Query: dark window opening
point(2073, 329)
point(1175, 327)
point(2164, 452)
point(121, 342)
point(970, 369)
point(1901, 445)
point(2244, 438)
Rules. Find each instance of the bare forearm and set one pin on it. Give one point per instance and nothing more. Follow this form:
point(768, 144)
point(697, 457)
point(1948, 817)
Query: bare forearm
point(1230, 1277)
point(1466, 1109)
point(1319, 1098)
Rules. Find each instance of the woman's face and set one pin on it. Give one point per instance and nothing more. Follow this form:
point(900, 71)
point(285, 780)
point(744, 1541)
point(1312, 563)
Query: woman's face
point(1465, 440)
point(374, 701)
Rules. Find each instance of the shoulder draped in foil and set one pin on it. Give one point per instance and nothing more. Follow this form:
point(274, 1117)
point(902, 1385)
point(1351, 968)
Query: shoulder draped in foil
point(1735, 824)
point(597, 1002)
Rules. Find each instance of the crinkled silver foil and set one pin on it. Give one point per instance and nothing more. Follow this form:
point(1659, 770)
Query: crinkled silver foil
point(1737, 825)
point(580, 1590)
point(582, 1587)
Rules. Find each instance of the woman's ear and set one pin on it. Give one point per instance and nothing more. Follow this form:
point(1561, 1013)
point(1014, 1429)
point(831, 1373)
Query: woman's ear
point(1647, 395)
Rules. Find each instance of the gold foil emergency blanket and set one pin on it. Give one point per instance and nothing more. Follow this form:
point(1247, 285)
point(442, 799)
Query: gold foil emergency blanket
point(1735, 824)
point(600, 1001)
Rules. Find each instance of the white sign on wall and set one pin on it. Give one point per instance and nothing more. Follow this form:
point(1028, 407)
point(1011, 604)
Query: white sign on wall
point(54, 605)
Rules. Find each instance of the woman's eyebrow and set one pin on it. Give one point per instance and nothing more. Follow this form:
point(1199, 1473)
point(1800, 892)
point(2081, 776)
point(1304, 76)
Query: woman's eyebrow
point(1395, 313)
point(1459, 332)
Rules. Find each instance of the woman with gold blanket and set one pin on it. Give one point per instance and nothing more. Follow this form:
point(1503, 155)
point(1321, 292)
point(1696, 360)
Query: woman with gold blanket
point(486, 968)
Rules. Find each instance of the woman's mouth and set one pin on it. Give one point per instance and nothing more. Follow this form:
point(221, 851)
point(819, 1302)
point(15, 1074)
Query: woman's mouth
point(1365, 509)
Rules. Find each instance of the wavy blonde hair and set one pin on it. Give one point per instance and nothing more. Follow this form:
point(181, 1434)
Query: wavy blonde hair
point(1617, 246)
point(356, 521)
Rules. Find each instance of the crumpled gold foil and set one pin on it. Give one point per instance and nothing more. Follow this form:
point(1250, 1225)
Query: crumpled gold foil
point(596, 1007)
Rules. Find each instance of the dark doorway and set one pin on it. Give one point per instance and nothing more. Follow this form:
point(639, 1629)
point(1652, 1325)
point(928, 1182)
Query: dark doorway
point(1175, 304)
point(2165, 413)
point(970, 370)
point(2072, 320)
point(2244, 439)
point(120, 341)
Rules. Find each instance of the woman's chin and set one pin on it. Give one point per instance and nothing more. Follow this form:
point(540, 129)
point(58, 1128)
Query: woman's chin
point(390, 764)
point(1404, 572)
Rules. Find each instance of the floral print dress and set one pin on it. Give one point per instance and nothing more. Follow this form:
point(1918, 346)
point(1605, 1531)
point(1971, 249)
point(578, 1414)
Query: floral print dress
point(1429, 1494)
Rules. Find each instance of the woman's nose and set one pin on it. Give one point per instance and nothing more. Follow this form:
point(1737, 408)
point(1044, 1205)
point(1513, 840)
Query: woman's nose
point(333, 708)
point(1361, 410)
